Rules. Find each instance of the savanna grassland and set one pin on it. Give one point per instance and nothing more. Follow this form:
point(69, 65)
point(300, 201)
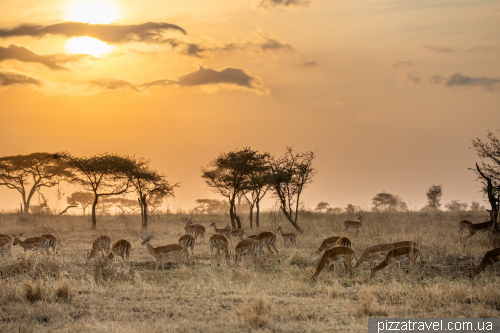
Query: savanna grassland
point(65, 293)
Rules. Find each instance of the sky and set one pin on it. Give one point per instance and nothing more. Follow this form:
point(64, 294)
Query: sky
point(388, 93)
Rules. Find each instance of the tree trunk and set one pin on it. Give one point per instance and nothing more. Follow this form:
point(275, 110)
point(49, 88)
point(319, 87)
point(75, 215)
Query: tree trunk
point(257, 208)
point(145, 213)
point(94, 219)
point(21, 207)
point(251, 216)
point(26, 210)
point(491, 198)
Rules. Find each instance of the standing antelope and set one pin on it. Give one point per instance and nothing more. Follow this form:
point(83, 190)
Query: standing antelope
point(247, 246)
point(343, 241)
point(187, 241)
point(52, 241)
point(5, 244)
point(102, 244)
point(328, 243)
point(289, 237)
point(490, 258)
point(226, 231)
point(336, 255)
point(353, 224)
point(483, 227)
point(398, 255)
point(194, 230)
point(33, 243)
point(161, 253)
point(220, 242)
point(120, 248)
point(268, 239)
point(374, 252)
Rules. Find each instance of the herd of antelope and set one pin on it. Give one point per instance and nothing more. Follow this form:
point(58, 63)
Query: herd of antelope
point(334, 249)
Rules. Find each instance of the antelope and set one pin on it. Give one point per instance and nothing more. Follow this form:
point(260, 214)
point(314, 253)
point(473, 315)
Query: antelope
point(490, 258)
point(374, 252)
point(237, 233)
point(247, 246)
point(194, 230)
point(161, 253)
point(483, 227)
point(102, 244)
point(398, 255)
point(328, 244)
point(4, 235)
point(405, 243)
point(52, 241)
point(353, 224)
point(343, 241)
point(463, 225)
point(289, 237)
point(5, 244)
point(120, 248)
point(33, 243)
point(268, 239)
point(254, 237)
point(220, 242)
point(187, 241)
point(226, 231)
point(336, 255)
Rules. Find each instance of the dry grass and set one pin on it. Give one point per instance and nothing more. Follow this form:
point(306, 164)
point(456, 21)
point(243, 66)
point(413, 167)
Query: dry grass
point(67, 293)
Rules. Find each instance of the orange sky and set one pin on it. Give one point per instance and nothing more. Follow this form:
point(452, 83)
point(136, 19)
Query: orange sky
point(389, 93)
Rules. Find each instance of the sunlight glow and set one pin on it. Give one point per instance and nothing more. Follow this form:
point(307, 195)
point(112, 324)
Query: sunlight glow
point(92, 11)
point(88, 45)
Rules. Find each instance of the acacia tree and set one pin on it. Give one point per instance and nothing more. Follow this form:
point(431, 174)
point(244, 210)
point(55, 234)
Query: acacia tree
point(28, 174)
point(149, 183)
point(82, 199)
point(434, 194)
point(104, 175)
point(256, 186)
point(290, 175)
point(322, 206)
point(228, 176)
point(384, 201)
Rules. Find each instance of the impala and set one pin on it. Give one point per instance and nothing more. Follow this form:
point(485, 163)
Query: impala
point(247, 246)
point(328, 244)
point(405, 243)
point(289, 237)
point(463, 225)
point(490, 258)
point(237, 233)
point(374, 252)
point(397, 256)
point(4, 235)
point(268, 239)
point(336, 255)
point(5, 244)
point(33, 243)
point(194, 230)
point(219, 242)
point(187, 241)
point(226, 231)
point(120, 248)
point(483, 227)
point(354, 224)
point(52, 241)
point(343, 241)
point(161, 253)
point(254, 237)
point(102, 244)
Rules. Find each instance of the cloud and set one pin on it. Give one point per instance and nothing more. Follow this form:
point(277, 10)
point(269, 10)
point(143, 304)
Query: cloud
point(114, 84)
point(268, 5)
point(231, 77)
point(481, 48)
point(311, 63)
point(52, 61)
point(442, 49)
point(403, 64)
point(457, 79)
point(413, 78)
point(150, 32)
point(273, 44)
point(11, 78)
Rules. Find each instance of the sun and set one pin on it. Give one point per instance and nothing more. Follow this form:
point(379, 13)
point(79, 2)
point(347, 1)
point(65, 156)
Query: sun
point(93, 12)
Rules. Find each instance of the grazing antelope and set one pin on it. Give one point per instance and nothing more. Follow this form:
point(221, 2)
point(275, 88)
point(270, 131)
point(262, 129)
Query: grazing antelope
point(490, 258)
point(161, 253)
point(398, 255)
point(52, 241)
point(374, 252)
point(328, 244)
point(336, 255)
point(268, 239)
point(120, 248)
point(4, 235)
point(405, 243)
point(463, 225)
point(237, 233)
point(187, 241)
point(220, 242)
point(353, 224)
point(33, 243)
point(5, 244)
point(225, 231)
point(254, 237)
point(289, 237)
point(247, 246)
point(102, 244)
point(343, 241)
point(194, 230)
point(483, 227)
